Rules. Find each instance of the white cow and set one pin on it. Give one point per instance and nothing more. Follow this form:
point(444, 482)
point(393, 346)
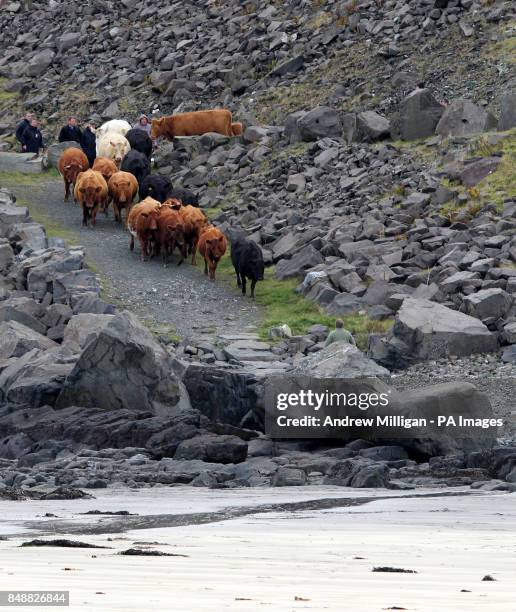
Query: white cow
point(113, 146)
point(118, 126)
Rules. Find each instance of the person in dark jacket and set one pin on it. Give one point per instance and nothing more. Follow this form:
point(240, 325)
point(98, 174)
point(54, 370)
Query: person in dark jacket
point(32, 138)
point(20, 128)
point(71, 131)
point(88, 141)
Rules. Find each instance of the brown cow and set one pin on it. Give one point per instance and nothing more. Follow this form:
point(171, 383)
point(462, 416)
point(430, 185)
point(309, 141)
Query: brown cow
point(71, 163)
point(212, 246)
point(194, 221)
point(170, 234)
point(122, 187)
point(91, 191)
point(142, 223)
point(237, 129)
point(105, 166)
point(193, 124)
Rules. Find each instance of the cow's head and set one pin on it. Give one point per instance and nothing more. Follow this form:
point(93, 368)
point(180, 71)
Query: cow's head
point(72, 171)
point(157, 127)
point(90, 194)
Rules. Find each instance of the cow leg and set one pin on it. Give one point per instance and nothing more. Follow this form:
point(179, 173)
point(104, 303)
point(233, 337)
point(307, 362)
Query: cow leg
point(194, 249)
point(253, 285)
point(206, 266)
point(116, 211)
point(67, 191)
point(143, 248)
point(244, 280)
point(183, 250)
point(94, 216)
point(239, 282)
point(85, 216)
point(131, 243)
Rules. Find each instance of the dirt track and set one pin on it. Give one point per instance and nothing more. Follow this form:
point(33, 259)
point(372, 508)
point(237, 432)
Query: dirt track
point(178, 296)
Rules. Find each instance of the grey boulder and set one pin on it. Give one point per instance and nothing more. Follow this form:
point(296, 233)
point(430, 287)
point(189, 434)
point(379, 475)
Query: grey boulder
point(319, 123)
point(123, 367)
point(462, 118)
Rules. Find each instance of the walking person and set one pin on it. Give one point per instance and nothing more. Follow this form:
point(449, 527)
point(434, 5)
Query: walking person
point(143, 123)
point(71, 131)
point(88, 141)
point(22, 125)
point(32, 138)
point(339, 334)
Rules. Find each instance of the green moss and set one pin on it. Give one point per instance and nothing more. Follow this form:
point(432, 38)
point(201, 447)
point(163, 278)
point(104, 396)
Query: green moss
point(5, 96)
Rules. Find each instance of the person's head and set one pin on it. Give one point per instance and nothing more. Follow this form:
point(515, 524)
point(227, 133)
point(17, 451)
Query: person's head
point(144, 120)
point(339, 324)
point(34, 122)
point(29, 117)
point(92, 124)
point(72, 121)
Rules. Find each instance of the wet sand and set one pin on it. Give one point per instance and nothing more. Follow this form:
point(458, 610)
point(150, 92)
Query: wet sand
point(265, 560)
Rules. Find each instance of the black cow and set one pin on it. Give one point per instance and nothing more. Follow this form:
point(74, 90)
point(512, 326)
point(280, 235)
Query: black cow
point(137, 164)
point(140, 141)
point(186, 196)
point(156, 186)
point(247, 259)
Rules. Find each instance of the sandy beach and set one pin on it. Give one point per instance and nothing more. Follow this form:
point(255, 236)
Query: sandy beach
point(318, 559)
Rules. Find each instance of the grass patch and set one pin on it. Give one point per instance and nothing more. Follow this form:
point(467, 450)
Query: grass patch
point(165, 330)
point(504, 50)
point(12, 178)
point(5, 96)
point(280, 304)
point(501, 184)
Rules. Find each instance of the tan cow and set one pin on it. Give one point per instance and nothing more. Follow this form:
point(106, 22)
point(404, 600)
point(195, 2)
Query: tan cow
point(194, 221)
point(142, 223)
point(91, 191)
point(193, 124)
point(72, 162)
point(122, 187)
point(170, 234)
point(212, 246)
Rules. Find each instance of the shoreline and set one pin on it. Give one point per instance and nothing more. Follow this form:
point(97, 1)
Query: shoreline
point(255, 561)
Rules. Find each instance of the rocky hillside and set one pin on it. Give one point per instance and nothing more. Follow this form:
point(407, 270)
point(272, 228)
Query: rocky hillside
point(261, 59)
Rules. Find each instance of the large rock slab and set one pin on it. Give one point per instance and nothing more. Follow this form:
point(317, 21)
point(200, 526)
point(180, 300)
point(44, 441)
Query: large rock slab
point(418, 116)
point(462, 118)
point(487, 304)
point(17, 339)
point(367, 126)
point(447, 399)
point(430, 330)
point(249, 350)
point(36, 378)
point(340, 360)
point(123, 367)
point(55, 151)
point(225, 395)
point(27, 163)
point(299, 263)
point(10, 213)
point(320, 123)
point(213, 449)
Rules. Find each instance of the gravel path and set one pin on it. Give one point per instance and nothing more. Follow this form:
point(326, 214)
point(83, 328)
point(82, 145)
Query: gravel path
point(174, 296)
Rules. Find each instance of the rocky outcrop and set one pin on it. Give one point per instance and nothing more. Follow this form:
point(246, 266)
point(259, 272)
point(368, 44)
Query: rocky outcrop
point(122, 366)
point(427, 330)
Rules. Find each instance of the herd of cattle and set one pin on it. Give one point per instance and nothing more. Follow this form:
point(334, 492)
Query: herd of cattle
point(165, 218)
